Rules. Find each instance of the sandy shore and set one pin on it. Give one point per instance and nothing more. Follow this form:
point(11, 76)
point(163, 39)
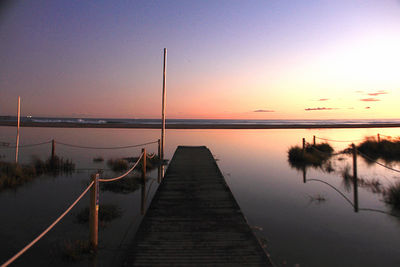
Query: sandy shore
point(196, 126)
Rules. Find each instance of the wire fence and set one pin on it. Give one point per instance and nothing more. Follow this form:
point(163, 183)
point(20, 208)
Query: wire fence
point(350, 202)
point(344, 141)
point(377, 162)
point(115, 147)
point(4, 146)
point(27, 145)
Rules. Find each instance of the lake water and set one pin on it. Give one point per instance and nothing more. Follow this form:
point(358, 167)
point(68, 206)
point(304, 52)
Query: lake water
point(306, 223)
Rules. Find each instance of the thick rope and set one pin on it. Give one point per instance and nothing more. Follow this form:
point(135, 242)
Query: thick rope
point(383, 165)
point(16, 256)
point(123, 175)
point(151, 156)
point(116, 147)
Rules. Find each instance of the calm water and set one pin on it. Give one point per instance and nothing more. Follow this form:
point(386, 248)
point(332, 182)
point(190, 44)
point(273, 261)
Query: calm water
point(297, 228)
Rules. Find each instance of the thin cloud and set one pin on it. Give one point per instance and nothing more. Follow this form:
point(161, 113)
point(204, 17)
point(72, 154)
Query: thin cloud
point(323, 99)
point(380, 92)
point(367, 107)
point(370, 99)
point(359, 92)
point(264, 110)
point(323, 108)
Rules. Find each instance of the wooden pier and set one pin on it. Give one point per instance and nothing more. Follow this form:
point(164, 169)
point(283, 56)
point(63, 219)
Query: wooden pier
point(194, 219)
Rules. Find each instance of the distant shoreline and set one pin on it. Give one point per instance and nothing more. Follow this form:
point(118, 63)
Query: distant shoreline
point(197, 126)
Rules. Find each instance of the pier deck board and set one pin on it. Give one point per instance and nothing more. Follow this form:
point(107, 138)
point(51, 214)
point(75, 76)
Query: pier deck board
point(194, 219)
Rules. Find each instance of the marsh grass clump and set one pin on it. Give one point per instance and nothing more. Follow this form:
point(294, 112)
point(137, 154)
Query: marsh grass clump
point(151, 163)
point(13, 175)
point(124, 186)
point(76, 250)
point(98, 159)
point(52, 165)
point(118, 165)
point(388, 150)
point(392, 196)
point(314, 156)
point(107, 213)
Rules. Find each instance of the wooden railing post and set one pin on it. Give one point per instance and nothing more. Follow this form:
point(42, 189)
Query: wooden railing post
point(53, 150)
point(355, 179)
point(304, 145)
point(314, 140)
point(94, 212)
point(143, 202)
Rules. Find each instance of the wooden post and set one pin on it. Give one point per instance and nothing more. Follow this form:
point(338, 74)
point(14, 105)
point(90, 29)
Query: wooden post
point(304, 174)
point(355, 178)
point(18, 122)
point(94, 212)
point(163, 104)
point(53, 150)
point(143, 202)
point(159, 177)
point(314, 140)
point(379, 138)
point(304, 145)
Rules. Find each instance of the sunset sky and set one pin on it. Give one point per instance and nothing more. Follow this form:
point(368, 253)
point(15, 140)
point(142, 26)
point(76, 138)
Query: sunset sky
point(270, 59)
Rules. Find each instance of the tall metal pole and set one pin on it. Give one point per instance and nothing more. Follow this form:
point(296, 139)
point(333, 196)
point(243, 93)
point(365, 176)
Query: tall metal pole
point(18, 118)
point(163, 105)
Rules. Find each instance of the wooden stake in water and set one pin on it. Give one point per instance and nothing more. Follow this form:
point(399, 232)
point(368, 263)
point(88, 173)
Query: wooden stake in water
point(355, 179)
point(164, 95)
point(314, 140)
point(94, 212)
point(18, 122)
point(143, 202)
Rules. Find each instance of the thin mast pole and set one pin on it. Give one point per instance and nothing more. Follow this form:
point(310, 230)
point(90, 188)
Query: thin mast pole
point(18, 119)
point(163, 104)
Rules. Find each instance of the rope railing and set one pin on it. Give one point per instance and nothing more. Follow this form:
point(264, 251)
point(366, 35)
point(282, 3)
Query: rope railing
point(374, 161)
point(151, 155)
point(344, 141)
point(94, 200)
point(115, 147)
point(123, 175)
point(22, 251)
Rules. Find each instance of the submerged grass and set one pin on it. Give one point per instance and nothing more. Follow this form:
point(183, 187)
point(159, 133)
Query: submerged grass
point(388, 150)
point(98, 159)
point(76, 250)
point(107, 213)
point(313, 155)
point(13, 175)
point(118, 165)
point(124, 186)
point(392, 196)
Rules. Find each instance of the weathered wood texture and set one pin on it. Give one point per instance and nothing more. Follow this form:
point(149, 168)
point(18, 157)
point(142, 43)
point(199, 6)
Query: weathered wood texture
point(194, 219)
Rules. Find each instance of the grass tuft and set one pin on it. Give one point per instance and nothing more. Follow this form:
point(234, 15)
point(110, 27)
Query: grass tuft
point(107, 213)
point(314, 156)
point(388, 150)
point(392, 196)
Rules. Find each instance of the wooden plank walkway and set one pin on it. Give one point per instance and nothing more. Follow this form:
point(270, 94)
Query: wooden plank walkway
point(194, 219)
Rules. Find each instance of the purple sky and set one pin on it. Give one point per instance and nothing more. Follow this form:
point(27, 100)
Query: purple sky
point(226, 59)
